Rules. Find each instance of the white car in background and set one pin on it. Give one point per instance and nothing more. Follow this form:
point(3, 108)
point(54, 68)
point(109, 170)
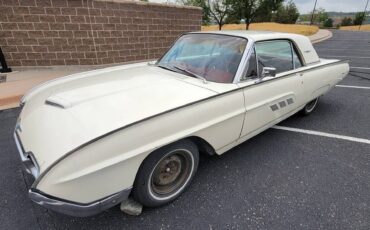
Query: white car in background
point(92, 139)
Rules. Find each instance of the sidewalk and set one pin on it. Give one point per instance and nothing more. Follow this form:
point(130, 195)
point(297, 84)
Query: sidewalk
point(19, 82)
point(320, 36)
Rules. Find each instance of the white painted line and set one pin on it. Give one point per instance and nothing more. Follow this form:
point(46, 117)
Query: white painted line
point(317, 133)
point(346, 57)
point(351, 39)
point(356, 67)
point(353, 50)
point(352, 86)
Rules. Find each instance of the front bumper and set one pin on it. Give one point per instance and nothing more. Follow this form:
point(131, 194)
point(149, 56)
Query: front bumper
point(77, 209)
point(57, 204)
point(28, 159)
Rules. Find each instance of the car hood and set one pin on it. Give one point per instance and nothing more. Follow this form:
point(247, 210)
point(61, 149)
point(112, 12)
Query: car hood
point(63, 114)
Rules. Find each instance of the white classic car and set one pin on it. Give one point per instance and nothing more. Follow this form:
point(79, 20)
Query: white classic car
point(92, 139)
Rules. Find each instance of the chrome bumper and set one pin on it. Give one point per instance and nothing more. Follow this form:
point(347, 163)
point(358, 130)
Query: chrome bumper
point(77, 209)
point(28, 159)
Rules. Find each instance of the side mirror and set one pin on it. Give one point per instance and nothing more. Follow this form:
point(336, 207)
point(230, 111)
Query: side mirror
point(268, 72)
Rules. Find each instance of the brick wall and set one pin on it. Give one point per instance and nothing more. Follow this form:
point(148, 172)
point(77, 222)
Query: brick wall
point(89, 32)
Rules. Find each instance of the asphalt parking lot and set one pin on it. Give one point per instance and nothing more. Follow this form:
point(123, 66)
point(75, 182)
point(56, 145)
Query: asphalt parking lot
point(277, 180)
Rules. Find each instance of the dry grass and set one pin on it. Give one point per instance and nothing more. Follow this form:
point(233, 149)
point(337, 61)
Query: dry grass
point(271, 26)
point(355, 28)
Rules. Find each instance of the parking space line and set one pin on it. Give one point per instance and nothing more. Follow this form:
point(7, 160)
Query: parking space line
point(349, 39)
point(347, 57)
point(334, 49)
point(352, 86)
point(323, 134)
point(357, 67)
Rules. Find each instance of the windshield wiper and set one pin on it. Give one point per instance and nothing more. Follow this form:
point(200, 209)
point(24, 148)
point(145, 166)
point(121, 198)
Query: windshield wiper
point(191, 74)
point(165, 67)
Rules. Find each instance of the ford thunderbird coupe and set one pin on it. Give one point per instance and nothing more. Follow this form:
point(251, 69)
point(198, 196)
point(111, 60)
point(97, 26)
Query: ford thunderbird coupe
point(93, 139)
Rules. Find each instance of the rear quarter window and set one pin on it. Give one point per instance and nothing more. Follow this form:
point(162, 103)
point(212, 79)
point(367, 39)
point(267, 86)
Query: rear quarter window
point(280, 54)
point(277, 54)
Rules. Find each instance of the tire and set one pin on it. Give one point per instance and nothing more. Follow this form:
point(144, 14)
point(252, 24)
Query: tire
point(166, 173)
point(310, 107)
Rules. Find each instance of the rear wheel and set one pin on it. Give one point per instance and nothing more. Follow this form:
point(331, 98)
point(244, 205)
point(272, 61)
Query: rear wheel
point(310, 107)
point(166, 173)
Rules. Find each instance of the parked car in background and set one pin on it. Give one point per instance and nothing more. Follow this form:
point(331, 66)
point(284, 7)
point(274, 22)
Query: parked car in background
point(92, 139)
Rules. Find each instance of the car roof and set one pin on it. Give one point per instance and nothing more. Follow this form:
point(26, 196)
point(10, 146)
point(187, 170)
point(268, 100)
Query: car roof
point(302, 42)
point(256, 35)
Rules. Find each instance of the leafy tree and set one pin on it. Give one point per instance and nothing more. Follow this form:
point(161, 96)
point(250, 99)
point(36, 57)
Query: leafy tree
point(267, 10)
point(219, 10)
point(253, 10)
point(359, 18)
point(322, 15)
point(305, 17)
point(206, 18)
point(235, 14)
point(319, 16)
point(328, 23)
point(232, 19)
point(346, 21)
point(246, 9)
point(287, 13)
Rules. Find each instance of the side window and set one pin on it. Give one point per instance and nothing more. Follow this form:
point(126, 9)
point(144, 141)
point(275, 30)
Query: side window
point(251, 67)
point(296, 60)
point(277, 54)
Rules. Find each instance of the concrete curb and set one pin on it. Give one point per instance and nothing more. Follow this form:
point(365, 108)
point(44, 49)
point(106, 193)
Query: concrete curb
point(320, 36)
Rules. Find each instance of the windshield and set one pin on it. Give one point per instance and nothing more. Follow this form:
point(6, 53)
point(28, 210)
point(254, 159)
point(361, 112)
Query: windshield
point(212, 57)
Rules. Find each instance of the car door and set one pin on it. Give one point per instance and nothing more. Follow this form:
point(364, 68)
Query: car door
point(270, 99)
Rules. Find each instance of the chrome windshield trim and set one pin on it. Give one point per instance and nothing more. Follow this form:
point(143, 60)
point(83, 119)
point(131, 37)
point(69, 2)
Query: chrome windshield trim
point(243, 62)
point(77, 209)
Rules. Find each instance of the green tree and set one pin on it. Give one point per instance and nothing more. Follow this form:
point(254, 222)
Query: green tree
point(206, 18)
point(287, 13)
point(359, 18)
point(319, 16)
point(253, 10)
point(305, 17)
point(328, 23)
point(219, 11)
point(267, 10)
point(322, 15)
point(346, 21)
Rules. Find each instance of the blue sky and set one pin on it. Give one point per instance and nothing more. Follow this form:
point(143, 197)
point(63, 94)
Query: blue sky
point(306, 6)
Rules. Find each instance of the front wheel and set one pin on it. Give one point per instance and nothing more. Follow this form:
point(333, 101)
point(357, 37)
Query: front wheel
point(310, 107)
point(166, 173)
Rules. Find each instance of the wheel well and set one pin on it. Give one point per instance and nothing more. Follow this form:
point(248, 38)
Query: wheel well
point(203, 145)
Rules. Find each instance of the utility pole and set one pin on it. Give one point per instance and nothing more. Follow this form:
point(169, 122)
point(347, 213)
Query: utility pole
point(363, 19)
point(313, 12)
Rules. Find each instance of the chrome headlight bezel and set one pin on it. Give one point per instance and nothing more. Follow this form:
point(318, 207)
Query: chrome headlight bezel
point(28, 158)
